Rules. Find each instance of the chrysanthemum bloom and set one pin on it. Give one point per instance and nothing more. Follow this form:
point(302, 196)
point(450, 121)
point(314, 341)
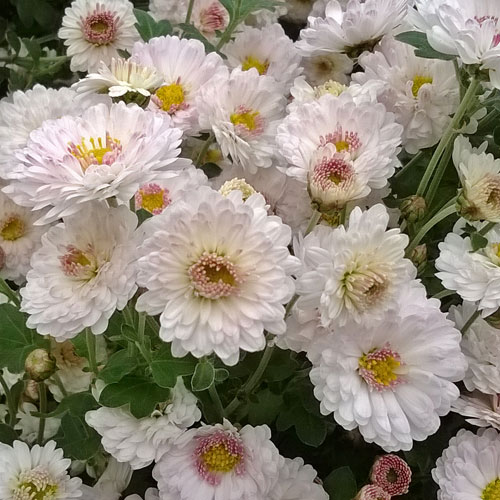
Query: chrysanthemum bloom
point(482, 410)
point(95, 31)
point(218, 270)
point(469, 468)
point(392, 474)
point(218, 462)
point(269, 50)
point(83, 272)
point(460, 27)
point(302, 92)
point(38, 473)
point(185, 68)
point(341, 147)
point(113, 481)
point(105, 153)
point(422, 93)
point(355, 273)
point(372, 492)
point(19, 238)
point(243, 111)
point(123, 78)
point(140, 441)
point(319, 69)
point(393, 378)
point(351, 30)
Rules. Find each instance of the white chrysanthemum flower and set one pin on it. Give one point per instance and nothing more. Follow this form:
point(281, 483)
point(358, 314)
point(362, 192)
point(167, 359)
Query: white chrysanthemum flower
point(475, 276)
point(19, 239)
point(286, 197)
point(28, 424)
point(120, 78)
point(322, 68)
point(351, 30)
point(95, 31)
point(243, 110)
point(482, 410)
point(422, 93)
point(302, 92)
point(392, 379)
point(185, 68)
point(218, 462)
point(83, 272)
point(355, 273)
point(470, 30)
point(481, 348)
point(38, 473)
point(107, 152)
point(469, 469)
point(111, 484)
point(218, 270)
point(269, 50)
point(341, 147)
point(296, 481)
point(24, 112)
point(142, 441)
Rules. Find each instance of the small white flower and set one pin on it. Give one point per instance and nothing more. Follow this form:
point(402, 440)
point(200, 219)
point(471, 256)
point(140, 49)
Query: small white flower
point(83, 272)
point(482, 410)
point(29, 425)
point(322, 68)
point(94, 31)
point(39, 472)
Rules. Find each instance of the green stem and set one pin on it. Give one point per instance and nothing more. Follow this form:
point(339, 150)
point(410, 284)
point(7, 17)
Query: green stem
point(10, 401)
point(315, 217)
point(57, 379)
point(42, 391)
point(448, 135)
point(146, 354)
point(214, 395)
point(487, 228)
point(443, 293)
point(128, 315)
point(289, 306)
point(11, 295)
point(409, 165)
point(210, 140)
point(469, 322)
point(189, 11)
point(91, 347)
point(438, 175)
point(152, 323)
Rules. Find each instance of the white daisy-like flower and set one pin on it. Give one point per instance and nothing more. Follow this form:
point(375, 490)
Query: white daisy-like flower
point(142, 441)
point(28, 424)
point(469, 469)
point(243, 110)
point(351, 30)
point(39, 472)
point(105, 153)
point(302, 92)
point(111, 484)
point(218, 270)
point(322, 68)
point(355, 273)
point(122, 77)
point(19, 239)
point(185, 68)
point(83, 272)
point(393, 378)
point(95, 31)
point(23, 112)
point(218, 462)
point(296, 481)
point(481, 348)
point(422, 93)
point(482, 410)
point(269, 50)
point(342, 147)
point(475, 276)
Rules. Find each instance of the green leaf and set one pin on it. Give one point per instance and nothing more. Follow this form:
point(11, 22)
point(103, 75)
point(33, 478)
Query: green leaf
point(420, 42)
point(166, 368)
point(310, 429)
point(34, 49)
point(7, 434)
point(203, 377)
point(16, 340)
point(119, 364)
point(266, 409)
point(341, 484)
point(77, 439)
point(478, 241)
point(140, 393)
point(25, 12)
point(221, 374)
point(45, 15)
point(14, 41)
point(76, 404)
point(211, 170)
point(149, 28)
point(191, 32)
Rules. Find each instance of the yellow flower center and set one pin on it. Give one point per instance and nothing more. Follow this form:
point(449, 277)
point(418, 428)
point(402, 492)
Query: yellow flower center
point(342, 146)
point(492, 490)
point(97, 150)
point(380, 367)
point(237, 185)
point(100, 152)
point(219, 459)
point(253, 62)
point(12, 228)
point(152, 201)
point(418, 81)
point(171, 96)
point(99, 27)
point(247, 119)
point(216, 274)
point(36, 484)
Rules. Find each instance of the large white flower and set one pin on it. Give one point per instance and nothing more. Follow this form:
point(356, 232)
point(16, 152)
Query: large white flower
point(107, 152)
point(269, 50)
point(469, 469)
point(185, 68)
point(39, 472)
point(357, 27)
point(355, 273)
point(83, 272)
point(140, 441)
point(392, 379)
point(95, 31)
point(243, 110)
point(340, 146)
point(422, 93)
point(482, 410)
point(220, 463)
point(218, 270)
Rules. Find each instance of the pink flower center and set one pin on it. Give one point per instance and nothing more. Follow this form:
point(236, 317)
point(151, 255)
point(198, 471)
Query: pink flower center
point(332, 172)
point(219, 454)
point(344, 141)
point(378, 368)
point(79, 264)
point(99, 27)
point(152, 198)
point(392, 474)
point(213, 18)
point(98, 153)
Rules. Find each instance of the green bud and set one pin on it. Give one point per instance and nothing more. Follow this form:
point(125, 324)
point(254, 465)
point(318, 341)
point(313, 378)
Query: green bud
point(419, 255)
point(413, 208)
point(40, 365)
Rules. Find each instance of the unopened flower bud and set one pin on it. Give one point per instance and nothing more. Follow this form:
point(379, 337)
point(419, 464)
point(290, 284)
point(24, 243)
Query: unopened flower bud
point(419, 255)
point(40, 365)
point(372, 492)
point(413, 208)
point(392, 474)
